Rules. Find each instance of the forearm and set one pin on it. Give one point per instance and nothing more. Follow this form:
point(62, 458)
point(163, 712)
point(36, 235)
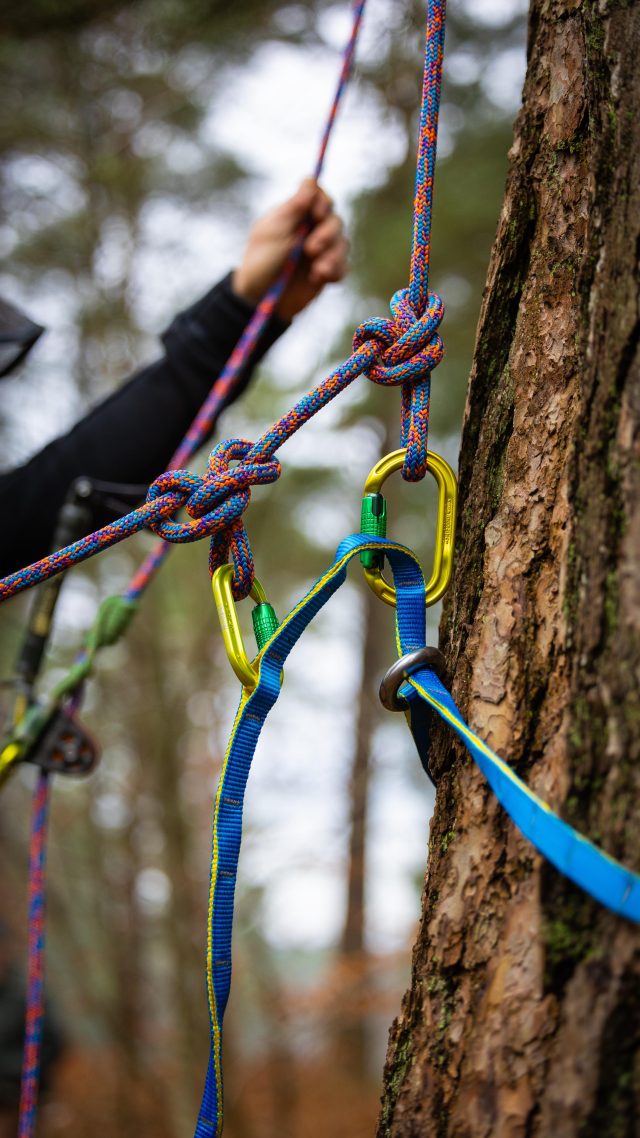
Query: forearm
point(131, 436)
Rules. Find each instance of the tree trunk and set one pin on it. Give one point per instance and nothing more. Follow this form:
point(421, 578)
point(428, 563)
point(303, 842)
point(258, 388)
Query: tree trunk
point(523, 1014)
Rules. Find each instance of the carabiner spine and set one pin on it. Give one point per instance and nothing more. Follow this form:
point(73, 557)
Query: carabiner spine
point(264, 618)
point(231, 633)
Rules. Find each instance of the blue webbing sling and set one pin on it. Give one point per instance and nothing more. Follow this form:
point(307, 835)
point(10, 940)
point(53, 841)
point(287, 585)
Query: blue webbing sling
point(589, 867)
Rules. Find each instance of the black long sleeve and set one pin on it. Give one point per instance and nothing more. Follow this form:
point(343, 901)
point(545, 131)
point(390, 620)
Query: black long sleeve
point(131, 436)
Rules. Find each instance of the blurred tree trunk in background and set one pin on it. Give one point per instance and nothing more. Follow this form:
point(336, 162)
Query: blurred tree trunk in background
point(352, 1037)
point(523, 1015)
point(160, 750)
point(352, 961)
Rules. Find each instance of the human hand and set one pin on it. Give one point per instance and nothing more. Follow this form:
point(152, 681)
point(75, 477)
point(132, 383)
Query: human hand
point(324, 254)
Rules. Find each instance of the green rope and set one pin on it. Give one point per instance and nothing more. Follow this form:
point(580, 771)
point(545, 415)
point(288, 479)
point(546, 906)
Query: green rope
point(112, 620)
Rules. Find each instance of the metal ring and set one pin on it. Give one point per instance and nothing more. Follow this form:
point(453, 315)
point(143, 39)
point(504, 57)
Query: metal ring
point(400, 669)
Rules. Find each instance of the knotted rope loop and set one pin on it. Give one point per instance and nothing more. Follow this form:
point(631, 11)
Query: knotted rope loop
point(233, 547)
point(231, 544)
point(215, 505)
point(226, 486)
point(221, 481)
point(216, 501)
point(410, 348)
point(183, 485)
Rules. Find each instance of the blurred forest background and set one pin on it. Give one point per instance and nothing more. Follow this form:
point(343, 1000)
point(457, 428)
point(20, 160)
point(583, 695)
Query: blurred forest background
point(137, 143)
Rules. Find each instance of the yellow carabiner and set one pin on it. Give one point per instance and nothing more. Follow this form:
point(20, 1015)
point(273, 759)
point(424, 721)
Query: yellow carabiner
point(445, 523)
point(265, 623)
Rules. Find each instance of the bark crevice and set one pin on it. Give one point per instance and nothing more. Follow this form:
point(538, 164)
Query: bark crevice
point(514, 1024)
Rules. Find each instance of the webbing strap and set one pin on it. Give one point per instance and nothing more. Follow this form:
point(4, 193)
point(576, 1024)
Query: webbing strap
point(584, 863)
point(591, 869)
point(227, 815)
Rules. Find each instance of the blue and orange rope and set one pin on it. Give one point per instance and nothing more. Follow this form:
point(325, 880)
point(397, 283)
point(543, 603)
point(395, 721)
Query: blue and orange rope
point(401, 351)
point(172, 490)
point(36, 957)
point(229, 377)
point(397, 352)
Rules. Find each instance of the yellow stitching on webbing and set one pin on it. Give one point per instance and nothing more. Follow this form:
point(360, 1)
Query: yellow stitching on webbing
point(246, 696)
point(486, 750)
point(453, 719)
point(328, 576)
point(530, 794)
point(213, 1011)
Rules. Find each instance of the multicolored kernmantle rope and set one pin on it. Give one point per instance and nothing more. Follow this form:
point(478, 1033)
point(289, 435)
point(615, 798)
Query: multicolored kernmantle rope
point(35, 968)
point(164, 499)
point(401, 351)
point(228, 379)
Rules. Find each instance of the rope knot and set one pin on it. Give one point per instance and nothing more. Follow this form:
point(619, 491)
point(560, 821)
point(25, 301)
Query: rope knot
point(215, 504)
point(409, 344)
point(409, 348)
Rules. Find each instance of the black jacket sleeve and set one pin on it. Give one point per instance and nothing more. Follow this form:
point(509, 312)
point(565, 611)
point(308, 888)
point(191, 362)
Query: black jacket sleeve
point(131, 436)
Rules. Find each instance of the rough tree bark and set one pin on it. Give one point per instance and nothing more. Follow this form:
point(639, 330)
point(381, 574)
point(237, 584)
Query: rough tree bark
point(523, 1014)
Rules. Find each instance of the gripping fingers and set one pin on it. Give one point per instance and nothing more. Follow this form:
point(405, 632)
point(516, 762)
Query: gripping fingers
point(321, 207)
point(331, 266)
point(327, 250)
point(326, 235)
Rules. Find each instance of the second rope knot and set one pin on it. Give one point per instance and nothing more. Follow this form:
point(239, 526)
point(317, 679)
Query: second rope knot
point(216, 504)
point(410, 346)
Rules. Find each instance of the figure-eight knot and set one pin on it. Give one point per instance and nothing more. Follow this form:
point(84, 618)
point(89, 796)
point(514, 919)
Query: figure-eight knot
point(215, 503)
point(410, 346)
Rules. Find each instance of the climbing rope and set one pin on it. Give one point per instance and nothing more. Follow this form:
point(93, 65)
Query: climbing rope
point(401, 352)
point(169, 494)
point(394, 352)
point(35, 966)
point(116, 612)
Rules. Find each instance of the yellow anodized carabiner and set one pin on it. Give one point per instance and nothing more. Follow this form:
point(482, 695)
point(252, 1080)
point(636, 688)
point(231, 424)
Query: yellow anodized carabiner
point(264, 618)
point(445, 524)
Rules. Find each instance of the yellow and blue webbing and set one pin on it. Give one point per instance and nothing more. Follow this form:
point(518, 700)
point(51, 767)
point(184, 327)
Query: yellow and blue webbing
point(589, 867)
